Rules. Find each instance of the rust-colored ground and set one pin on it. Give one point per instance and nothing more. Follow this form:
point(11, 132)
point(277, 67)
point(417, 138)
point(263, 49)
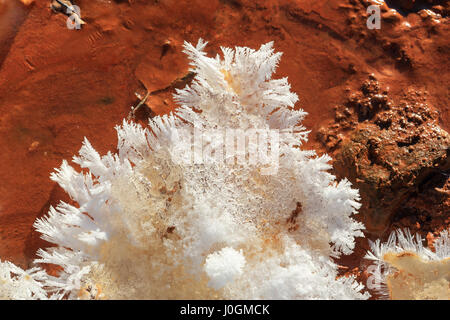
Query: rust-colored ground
point(59, 85)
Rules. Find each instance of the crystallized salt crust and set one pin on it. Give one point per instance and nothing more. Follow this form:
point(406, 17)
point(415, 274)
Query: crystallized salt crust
point(170, 216)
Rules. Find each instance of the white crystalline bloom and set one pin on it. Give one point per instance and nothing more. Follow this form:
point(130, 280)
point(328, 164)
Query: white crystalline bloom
point(173, 217)
point(404, 269)
point(223, 266)
point(17, 284)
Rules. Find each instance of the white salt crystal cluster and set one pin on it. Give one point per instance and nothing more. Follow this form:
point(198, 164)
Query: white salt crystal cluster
point(177, 214)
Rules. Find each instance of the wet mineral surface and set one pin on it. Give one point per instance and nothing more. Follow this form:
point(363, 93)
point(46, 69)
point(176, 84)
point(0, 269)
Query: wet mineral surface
point(390, 151)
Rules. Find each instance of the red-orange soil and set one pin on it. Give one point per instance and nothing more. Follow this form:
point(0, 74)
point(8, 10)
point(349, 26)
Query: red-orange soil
point(59, 85)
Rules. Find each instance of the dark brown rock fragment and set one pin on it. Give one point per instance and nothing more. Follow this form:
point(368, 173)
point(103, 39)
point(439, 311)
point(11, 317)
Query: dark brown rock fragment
point(392, 152)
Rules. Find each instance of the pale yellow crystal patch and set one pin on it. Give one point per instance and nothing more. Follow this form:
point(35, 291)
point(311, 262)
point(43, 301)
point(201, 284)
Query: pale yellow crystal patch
point(231, 81)
point(417, 279)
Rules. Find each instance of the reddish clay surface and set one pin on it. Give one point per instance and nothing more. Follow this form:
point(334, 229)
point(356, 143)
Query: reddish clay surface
point(59, 85)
